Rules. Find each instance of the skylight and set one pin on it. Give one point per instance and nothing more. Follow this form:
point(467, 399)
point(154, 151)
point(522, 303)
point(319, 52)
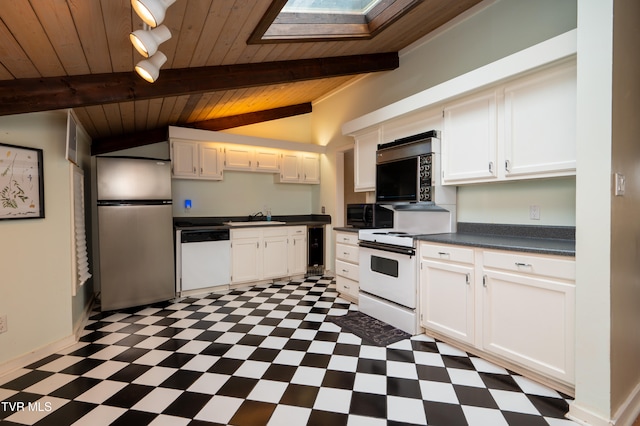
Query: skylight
point(323, 20)
point(358, 7)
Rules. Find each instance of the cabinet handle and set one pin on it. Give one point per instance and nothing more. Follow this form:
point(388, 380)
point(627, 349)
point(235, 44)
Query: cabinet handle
point(194, 170)
point(484, 280)
point(507, 165)
point(443, 253)
point(249, 163)
point(258, 244)
point(490, 166)
point(201, 170)
point(257, 163)
point(523, 265)
point(345, 253)
point(346, 271)
point(468, 278)
point(265, 244)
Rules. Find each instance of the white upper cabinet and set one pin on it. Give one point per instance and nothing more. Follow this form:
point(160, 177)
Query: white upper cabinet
point(540, 124)
point(196, 160)
point(366, 144)
point(310, 168)
point(267, 160)
point(184, 159)
point(519, 130)
point(211, 159)
point(238, 158)
point(469, 145)
point(299, 167)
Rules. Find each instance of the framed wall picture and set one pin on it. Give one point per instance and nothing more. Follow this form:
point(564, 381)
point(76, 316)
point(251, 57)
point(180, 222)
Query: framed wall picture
point(21, 182)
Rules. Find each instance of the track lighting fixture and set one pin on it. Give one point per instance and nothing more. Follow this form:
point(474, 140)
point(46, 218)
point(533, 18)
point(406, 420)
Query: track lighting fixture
point(147, 41)
point(149, 69)
point(151, 11)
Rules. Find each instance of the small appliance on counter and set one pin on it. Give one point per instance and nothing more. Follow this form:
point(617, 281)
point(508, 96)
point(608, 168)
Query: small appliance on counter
point(369, 216)
point(135, 231)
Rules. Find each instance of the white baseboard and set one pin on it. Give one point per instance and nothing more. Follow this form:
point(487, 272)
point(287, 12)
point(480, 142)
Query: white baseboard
point(624, 416)
point(585, 417)
point(49, 349)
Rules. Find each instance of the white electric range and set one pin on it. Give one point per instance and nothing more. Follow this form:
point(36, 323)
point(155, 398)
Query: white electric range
point(389, 271)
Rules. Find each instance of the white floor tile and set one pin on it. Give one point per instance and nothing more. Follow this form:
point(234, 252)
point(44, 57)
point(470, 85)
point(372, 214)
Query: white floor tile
point(240, 352)
point(151, 342)
point(230, 338)
point(365, 421)
point(209, 383)
point(533, 388)
point(465, 377)
point(164, 420)
point(157, 400)
point(343, 363)
point(370, 383)
point(153, 357)
point(268, 391)
point(200, 363)
point(106, 369)
point(61, 363)
point(403, 370)
point(193, 347)
point(304, 334)
point(274, 342)
point(428, 358)
point(318, 347)
point(289, 357)
point(405, 410)
point(252, 369)
point(483, 366)
point(513, 401)
point(109, 352)
point(219, 409)
point(446, 349)
point(477, 416)
point(101, 392)
point(102, 415)
point(311, 376)
point(261, 330)
point(373, 352)
point(155, 376)
point(46, 405)
point(48, 385)
point(438, 392)
point(335, 400)
point(287, 415)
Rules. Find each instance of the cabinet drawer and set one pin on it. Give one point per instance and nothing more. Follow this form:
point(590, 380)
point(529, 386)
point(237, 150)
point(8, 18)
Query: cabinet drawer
point(345, 285)
point(275, 231)
point(297, 230)
point(348, 270)
point(549, 266)
point(347, 253)
point(446, 252)
point(347, 238)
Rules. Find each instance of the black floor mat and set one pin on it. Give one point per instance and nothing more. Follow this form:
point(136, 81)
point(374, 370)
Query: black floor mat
point(370, 330)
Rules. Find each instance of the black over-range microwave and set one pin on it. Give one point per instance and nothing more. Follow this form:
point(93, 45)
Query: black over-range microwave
point(404, 169)
point(369, 216)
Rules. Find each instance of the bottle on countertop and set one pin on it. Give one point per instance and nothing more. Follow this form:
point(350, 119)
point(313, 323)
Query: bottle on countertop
point(268, 214)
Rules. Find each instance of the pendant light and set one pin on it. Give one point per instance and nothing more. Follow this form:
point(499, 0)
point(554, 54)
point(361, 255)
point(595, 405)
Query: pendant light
point(151, 11)
point(149, 69)
point(147, 41)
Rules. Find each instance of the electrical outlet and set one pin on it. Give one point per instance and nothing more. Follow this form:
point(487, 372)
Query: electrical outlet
point(3, 324)
point(534, 212)
point(323, 210)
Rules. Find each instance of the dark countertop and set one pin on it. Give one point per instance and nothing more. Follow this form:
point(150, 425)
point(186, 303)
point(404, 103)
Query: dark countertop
point(217, 222)
point(555, 240)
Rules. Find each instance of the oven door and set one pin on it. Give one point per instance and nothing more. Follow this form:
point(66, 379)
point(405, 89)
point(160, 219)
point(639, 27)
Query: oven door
point(389, 275)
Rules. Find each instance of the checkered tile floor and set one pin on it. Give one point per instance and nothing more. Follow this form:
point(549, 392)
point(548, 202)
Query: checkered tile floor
point(264, 355)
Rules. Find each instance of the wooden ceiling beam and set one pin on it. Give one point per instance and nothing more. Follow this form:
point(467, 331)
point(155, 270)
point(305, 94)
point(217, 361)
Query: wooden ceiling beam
point(51, 93)
point(222, 123)
point(132, 140)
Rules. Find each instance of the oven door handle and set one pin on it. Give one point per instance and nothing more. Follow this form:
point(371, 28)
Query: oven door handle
point(409, 251)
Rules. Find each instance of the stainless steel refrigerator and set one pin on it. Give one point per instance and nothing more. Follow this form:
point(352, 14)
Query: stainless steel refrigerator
point(135, 231)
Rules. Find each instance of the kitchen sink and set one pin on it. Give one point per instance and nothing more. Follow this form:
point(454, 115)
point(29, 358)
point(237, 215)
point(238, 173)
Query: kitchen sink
point(255, 223)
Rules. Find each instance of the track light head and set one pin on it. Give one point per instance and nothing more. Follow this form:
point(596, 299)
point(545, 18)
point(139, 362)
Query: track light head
point(149, 69)
point(151, 11)
point(146, 42)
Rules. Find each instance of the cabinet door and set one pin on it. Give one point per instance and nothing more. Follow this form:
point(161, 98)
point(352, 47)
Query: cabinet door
point(267, 160)
point(246, 260)
point(297, 254)
point(364, 168)
point(469, 144)
point(275, 256)
point(184, 159)
point(289, 167)
point(448, 299)
point(310, 168)
point(530, 321)
point(211, 161)
point(540, 124)
point(238, 158)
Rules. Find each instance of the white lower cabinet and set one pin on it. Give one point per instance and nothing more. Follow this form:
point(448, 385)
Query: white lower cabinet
point(265, 253)
point(297, 250)
point(445, 277)
point(515, 306)
point(347, 267)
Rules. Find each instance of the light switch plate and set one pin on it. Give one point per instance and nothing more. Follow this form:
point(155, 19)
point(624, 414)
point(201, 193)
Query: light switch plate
point(3, 324)
point(619, 185)
point(534, 212)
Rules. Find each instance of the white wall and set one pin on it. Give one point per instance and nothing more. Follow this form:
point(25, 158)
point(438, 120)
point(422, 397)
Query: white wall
point(491, 33)
point(35, 254)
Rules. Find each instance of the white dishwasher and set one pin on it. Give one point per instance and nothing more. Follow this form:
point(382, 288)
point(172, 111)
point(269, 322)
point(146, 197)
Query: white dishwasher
point(205, 260)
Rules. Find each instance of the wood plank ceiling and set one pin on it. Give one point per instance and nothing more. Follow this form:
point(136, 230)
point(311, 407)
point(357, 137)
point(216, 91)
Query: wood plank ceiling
point(49, 43)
